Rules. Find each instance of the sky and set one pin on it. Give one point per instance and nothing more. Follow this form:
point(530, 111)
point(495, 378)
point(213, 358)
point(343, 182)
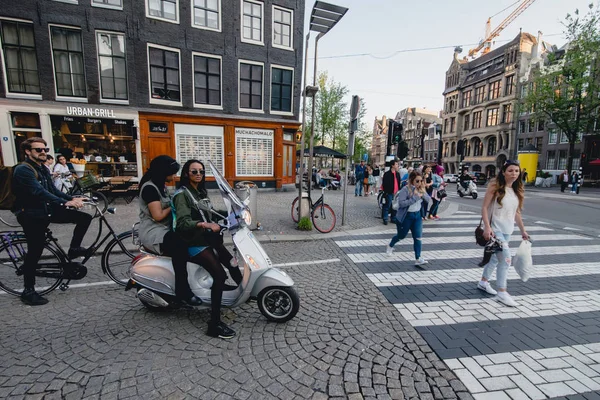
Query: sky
point(389, 82)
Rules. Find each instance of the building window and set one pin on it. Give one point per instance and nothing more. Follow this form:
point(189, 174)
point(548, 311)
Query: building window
point(541, 125)
point(538, 143)
point(466, 99)
point(520, 144)
point(281, 89)
point(452, 124)
point(20, 61)
point(552, 136)
point(551, 160)
point(207, 14)
point(165, 81)
point(509, 87)
point(282, 27)
point(522, 126)
point(453, 149)
point(479, 94)
point(252, 22)
point(254, 152)
point(24, 126)
point(118, 4)
point(477, 119)
point(163, 9)
point(477, 147)
point(491, 150)
point(563, 137)
point(251, 86)
point(112, 65)
point(562, 159)
point(446, 125)
point(466, 123)
point(531, 126)
point(507, 113)
point(579, 137)
point(207, 80)
point(200, 142)
point(67, 54)
point(494, 90)
point(492, 117)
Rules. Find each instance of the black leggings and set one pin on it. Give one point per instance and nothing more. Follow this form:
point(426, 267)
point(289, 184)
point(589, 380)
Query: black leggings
point(216, 242)
point(174, 247)
point(209, 262)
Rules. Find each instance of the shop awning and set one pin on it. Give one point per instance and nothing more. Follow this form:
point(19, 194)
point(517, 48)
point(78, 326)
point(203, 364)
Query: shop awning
point(323, 152)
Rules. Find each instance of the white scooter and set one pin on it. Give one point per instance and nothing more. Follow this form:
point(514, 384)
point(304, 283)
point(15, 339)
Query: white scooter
point(153, 277)
point(471, 190)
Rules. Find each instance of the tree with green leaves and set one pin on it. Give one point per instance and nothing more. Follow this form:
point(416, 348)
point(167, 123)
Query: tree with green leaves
point(332, 110)
point(565, 89)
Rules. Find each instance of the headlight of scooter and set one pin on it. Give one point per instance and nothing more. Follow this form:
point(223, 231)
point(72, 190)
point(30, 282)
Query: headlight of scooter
point(246, 216)
point(251, 263)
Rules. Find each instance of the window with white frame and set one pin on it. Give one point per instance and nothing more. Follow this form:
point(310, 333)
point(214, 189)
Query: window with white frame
point(164, 73)
point(67, 54)
point(282, 27)
point(281, 89)
point(562, 159)
point(252, 22)
point(167, 10)
point(200, 142)
point(251, 86)
point(552, 136)
point(551, 160)
point(19, 54)
point(254, 152)
point(118, 4)
point(112, 65)
point(207, 80)
point(563, 137)
point(207, 14)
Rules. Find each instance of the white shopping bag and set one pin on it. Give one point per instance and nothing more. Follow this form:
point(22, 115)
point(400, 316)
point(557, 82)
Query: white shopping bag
point(523, 262)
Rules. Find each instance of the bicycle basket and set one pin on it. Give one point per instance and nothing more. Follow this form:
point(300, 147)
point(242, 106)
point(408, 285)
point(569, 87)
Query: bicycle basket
point(88, 181)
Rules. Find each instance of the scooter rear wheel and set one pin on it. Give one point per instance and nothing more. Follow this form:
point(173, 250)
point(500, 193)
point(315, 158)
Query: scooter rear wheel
point(279, 304)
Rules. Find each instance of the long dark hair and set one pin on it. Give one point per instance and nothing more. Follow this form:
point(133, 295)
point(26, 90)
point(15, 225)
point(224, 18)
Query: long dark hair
point(160, 168)
point(185, 176)
point(517, 185)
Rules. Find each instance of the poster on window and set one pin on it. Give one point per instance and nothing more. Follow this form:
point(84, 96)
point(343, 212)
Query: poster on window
point(254, 152)
point(200, 142)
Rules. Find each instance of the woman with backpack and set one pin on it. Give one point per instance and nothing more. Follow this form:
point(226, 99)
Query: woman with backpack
point(407, 202)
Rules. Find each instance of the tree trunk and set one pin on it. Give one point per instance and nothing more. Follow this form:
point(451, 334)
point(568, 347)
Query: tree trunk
point(571, 151)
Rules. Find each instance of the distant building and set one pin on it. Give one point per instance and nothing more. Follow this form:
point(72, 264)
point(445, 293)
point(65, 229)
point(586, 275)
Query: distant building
point(379, 141)
point(415, 122)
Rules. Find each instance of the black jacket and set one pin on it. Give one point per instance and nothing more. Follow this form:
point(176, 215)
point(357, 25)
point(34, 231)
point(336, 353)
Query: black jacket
point(36, 195)
point(388, 182)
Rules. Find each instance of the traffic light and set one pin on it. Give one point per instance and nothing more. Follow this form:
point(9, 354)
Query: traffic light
point(396, 132)
point(402, 150)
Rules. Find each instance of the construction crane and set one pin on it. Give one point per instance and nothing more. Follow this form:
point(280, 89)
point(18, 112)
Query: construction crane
point(486, 44)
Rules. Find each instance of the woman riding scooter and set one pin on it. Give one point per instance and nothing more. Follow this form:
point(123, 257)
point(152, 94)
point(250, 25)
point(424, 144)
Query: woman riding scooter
point(156, 220)
point(194, 221)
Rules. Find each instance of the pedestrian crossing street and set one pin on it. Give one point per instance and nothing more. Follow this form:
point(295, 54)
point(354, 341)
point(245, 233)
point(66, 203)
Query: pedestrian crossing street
point(548, 346)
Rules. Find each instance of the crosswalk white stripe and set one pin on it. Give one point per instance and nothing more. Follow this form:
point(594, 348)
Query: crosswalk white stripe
point(446, 276)
point(464, 212)
point(549, 236)
point(539, 374)
point(465, 253)
point(431, 227)
point(487, 309)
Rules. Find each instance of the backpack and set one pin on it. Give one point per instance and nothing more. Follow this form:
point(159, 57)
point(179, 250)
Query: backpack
point(7, 196)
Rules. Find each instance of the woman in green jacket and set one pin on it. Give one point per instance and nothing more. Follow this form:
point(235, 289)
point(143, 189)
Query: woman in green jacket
point(195, 223)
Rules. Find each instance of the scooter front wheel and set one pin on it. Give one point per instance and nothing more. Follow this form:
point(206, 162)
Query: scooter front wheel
point(474, 195)
point(279, 304)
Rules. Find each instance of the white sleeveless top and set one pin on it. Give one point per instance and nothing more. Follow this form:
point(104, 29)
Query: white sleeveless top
point(503, 217)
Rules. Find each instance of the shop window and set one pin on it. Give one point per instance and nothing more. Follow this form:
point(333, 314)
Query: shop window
point(67, 52)
point(164, 75)
point(112, 65)
point(281, 89)
point(282, 27)
point(251, 86)
point(252, 22)
point(254, 152)
point(207, 80)
point(207, 14)
point(166, 10)
point(117, 4)
point(20, 61)
point(200, 142)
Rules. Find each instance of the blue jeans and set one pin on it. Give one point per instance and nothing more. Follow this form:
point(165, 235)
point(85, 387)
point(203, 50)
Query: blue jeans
point(358, 189)
point(500, 261)
point(424, 207)
point(414, 222)
point(434, 207)
point(387, 208)
point(574, 188)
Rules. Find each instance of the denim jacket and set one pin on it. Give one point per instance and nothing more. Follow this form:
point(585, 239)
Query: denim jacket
point(404, 198)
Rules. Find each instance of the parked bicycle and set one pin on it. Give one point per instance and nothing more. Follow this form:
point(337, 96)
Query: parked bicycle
point(322, 215)
point(55, 269)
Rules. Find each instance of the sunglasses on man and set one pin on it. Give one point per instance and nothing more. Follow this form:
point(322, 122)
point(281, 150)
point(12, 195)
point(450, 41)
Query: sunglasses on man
point(197, 171)
point(41, 149)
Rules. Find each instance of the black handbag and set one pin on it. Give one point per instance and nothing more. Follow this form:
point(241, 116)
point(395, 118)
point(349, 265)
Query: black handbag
point(479, 238)
point(441, 193)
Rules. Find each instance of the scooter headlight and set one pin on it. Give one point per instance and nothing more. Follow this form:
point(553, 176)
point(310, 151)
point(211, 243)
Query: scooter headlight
point(251, 262)
point(246, 216)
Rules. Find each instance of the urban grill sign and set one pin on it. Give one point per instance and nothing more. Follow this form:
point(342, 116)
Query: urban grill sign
point(91, 112)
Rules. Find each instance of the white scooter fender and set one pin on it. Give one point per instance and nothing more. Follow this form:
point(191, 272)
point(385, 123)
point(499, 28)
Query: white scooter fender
point(272, 278)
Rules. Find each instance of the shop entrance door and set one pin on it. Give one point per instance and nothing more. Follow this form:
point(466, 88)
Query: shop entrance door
point(156, 147)
point(288, 164)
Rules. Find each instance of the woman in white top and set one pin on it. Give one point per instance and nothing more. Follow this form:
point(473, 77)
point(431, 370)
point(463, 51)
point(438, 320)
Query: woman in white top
point(62, 174)
point(504, 197)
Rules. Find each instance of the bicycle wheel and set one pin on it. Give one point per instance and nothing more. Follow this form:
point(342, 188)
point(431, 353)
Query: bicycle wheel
point(12, 257)
point(323, 218)
point(295, 210)
point(9, 219)
point(116, 259)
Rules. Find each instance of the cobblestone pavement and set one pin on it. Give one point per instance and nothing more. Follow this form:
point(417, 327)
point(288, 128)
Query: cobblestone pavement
point(548, 346)
point(347, 341)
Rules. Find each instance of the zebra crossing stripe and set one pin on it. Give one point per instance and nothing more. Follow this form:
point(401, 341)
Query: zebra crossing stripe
point(464, 212)
point(473, 275)
point(470, 228)
point(487, 309)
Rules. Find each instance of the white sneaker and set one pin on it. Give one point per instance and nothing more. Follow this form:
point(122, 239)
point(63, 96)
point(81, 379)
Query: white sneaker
point(421, 261)
point(389, 250)
point(486, 287)
point(504, 297)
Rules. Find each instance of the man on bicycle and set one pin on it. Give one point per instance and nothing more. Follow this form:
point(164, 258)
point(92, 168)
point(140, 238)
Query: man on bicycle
point(37, 204)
